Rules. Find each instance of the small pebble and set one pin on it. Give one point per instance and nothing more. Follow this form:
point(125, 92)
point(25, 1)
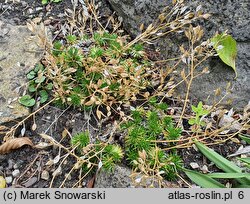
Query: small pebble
point(45, 175)
point(8, 172)
point(195, 148)
point(30, 182)
point(24, 4)
point(204, 169)
point(48, 117)
point(39, 8)
point(10, 164)
point(243, 142)
point(61, 15)
point(69, 177)
point(47, 22)
point(30, 11)
point(16, 166)
point(194, 165)
point(16, 173)
point(8, 179)
point(2, 157)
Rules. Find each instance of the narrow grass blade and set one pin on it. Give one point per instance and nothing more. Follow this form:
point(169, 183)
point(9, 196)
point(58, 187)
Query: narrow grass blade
point(221, 162)
point(245, 138)
point(243, 186)
point(229, 175)
point(245, 160)
point(203, 180)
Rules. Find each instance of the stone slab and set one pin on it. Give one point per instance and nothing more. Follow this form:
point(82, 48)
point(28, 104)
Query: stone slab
point(118, 178)
point(231, 15)
point(18, 55)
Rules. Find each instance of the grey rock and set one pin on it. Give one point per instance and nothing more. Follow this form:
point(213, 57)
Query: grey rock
point(119, 178)
point(230, 15)
point(2, 158)
point(39, 8)
point(18, 55)
point(194, 165)
point(18, 164)
point(30, 182)
point(30, 11)
point(137, 12)
point(24, 4)
point(204, 169)
point(16, 173)
point(10, 164)
point(8, 172)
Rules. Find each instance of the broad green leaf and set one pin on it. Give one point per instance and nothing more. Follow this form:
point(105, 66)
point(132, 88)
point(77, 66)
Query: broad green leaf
point(203, 123)
point(245, 160)
point(220, 161)
point(245, 138)
point(203, 180)
point(229, 175)
point(40, 79)
point(49, 86)
point(226, 48)
point(31, 75)
point(27, 100)
point(199, 106)
point(32, 88)
point(38, 67)
point(194, 109)
point(191, 121)
point(44, 1)
point(204, 112)
point(44, 96)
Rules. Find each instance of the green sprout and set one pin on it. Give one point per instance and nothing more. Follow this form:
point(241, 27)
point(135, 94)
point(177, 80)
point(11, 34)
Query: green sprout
point(200, 112)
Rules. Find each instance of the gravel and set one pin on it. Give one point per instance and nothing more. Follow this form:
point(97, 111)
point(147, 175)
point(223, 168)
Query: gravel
point(8, 179)
point(194, 165)
point(16, 173)
point(45, 175)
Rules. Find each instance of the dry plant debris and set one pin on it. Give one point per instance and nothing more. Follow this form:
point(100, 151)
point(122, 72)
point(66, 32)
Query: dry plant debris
point(15, 143)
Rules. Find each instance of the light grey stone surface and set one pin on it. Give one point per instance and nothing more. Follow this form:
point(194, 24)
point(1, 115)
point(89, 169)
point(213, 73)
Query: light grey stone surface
point(119, 178)
point(18, 55)
point(16, 173)
point(231, 15)
point(8, 179)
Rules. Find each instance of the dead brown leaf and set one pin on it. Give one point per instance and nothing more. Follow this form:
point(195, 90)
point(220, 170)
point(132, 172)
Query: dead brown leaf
point(15, 143)
point(91, 182)
point(2, 127)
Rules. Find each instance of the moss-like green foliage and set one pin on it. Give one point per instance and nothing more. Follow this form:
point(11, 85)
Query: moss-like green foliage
point(144, 128)
point(95, 70)
point(98, 154)
point(81, 139)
